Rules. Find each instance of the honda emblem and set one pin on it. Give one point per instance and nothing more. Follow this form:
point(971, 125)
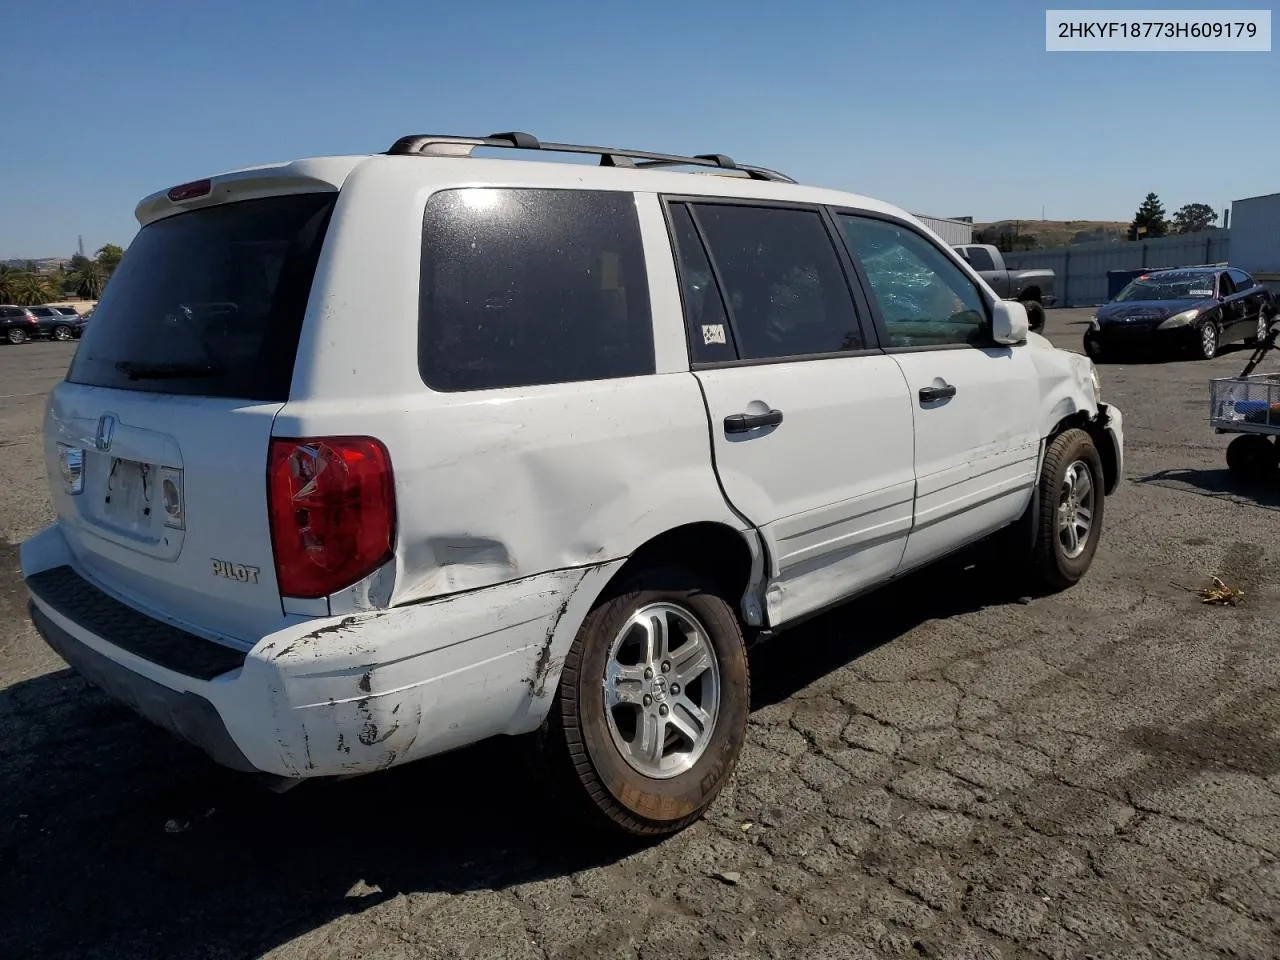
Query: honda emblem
point(106, 430)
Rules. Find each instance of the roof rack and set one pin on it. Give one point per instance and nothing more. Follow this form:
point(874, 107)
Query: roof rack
point(432, 145)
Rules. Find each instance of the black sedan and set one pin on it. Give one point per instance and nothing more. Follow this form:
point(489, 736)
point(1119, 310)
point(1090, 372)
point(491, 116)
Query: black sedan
point(1190, 309)
point(58, 323)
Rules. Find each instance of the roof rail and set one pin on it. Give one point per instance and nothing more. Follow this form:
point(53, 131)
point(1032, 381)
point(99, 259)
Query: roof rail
point(432, 145)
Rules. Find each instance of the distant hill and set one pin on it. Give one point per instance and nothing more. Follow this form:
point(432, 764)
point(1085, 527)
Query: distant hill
point(42, 263)
point(1043, 234)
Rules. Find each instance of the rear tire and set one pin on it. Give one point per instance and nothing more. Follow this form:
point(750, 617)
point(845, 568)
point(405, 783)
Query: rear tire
point(1035, 316)
point(1252, 458)
point(16, 335)
point(621, 685)
point(1263, 329)
point(1071, 507)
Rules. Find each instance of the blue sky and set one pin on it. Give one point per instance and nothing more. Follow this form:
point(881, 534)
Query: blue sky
point(934, 106)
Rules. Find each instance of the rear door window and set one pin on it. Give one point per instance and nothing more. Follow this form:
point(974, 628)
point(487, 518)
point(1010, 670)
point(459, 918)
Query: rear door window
point(786, 291)
point(209, 303)
point(1242, 280)
point(532, 286)
point(979, 259)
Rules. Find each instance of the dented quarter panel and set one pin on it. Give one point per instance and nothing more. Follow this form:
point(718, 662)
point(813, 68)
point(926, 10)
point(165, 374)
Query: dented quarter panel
point(493, 485)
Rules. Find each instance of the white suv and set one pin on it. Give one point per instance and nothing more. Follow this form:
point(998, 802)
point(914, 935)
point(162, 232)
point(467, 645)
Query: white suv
point(368, 458)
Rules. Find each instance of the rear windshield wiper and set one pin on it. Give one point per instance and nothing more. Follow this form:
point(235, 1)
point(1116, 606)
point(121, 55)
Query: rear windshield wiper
point(169, 371)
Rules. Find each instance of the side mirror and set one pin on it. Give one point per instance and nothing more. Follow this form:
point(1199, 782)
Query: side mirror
point(1009, 322)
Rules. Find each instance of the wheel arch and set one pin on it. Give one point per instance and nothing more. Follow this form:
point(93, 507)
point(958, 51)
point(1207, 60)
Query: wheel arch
point(734, 560)
point(1093, 425)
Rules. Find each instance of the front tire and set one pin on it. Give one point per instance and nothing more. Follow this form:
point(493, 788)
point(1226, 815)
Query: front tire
point(1210, 340)
point(651, 713)
point(61, 332)
point(1035, 316)
point(1071, 506)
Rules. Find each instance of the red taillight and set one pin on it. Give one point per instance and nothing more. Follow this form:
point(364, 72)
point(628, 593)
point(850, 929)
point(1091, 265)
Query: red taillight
point(189, 191)
point(333, 512)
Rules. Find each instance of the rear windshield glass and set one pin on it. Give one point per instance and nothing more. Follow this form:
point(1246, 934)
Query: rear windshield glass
point(209, 303)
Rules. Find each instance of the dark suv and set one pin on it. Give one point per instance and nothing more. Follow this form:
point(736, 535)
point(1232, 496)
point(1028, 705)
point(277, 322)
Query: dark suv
point(58, 323)
point(18, 324)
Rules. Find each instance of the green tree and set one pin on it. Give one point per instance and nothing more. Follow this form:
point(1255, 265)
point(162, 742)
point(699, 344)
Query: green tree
point(29, 289)
point(109, 257)
point(90, 279)
point(8, 278)
point(1194, 217)
point(1149, 221)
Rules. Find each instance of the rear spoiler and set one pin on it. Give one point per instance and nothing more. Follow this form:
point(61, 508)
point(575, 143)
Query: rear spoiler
point(318, 175)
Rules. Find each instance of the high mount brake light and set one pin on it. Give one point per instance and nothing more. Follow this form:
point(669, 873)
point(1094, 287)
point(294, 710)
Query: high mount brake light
point(331, 502)
point(189, 191)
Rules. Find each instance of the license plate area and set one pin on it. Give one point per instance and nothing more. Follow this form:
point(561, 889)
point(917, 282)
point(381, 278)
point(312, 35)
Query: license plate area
point(129, 496)
point(141, 500)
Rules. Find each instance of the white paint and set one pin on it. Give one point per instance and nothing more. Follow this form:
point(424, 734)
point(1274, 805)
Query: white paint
point(975, 453)
point(516, 506)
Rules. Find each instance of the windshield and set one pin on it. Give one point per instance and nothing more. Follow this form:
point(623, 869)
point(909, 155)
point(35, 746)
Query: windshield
point(209, 303)
point(1169, 286)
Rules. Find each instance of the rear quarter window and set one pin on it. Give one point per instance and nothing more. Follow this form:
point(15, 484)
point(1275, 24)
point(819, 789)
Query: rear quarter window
point(521, 287)
point(209, 303)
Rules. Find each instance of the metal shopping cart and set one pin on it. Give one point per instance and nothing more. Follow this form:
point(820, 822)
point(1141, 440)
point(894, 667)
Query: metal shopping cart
point(1250, 406)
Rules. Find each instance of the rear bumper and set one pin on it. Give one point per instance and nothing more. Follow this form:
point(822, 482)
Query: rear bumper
point(321, 697)
point(183, 713)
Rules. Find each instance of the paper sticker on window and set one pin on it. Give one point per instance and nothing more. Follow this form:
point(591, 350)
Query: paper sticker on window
point(712, 333)
point(1200, 292)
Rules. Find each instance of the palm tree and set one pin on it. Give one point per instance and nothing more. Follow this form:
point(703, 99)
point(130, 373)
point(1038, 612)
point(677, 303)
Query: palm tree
point(28, 289)
point(90, 279)
point(8, 278)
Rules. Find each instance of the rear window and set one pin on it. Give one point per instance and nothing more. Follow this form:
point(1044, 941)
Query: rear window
point(209, 303)
point(529, 286)
point(979, 259)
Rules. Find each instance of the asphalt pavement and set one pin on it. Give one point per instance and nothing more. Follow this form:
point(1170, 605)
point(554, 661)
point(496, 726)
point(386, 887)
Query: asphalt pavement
point(939, 770)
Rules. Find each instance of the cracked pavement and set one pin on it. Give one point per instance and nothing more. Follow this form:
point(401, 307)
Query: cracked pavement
point(937, 770)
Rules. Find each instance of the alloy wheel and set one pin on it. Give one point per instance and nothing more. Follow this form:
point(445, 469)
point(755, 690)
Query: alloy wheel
point(661, 690)
point(1075, 509)
point(1209, 340)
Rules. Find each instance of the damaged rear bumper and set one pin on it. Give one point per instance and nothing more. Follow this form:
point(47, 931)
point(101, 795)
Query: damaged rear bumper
point(331, 696)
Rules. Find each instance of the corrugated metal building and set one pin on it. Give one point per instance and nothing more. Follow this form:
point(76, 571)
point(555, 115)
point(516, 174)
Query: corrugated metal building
point(951, 231)
point(1255, 236)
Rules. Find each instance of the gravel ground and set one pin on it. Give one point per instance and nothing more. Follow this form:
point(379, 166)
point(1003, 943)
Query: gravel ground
point(938, 770)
